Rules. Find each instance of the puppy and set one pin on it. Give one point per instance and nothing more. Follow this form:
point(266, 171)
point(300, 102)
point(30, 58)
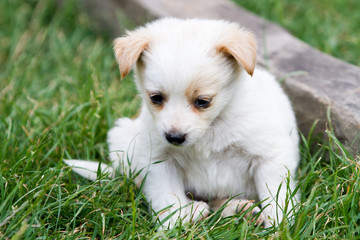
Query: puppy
point(212, 133)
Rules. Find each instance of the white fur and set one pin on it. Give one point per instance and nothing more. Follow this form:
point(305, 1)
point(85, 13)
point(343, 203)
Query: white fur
point(242, 146)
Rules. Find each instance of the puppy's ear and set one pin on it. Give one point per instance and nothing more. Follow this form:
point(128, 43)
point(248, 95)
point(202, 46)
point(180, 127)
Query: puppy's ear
point(241, 45)
point(128, 50)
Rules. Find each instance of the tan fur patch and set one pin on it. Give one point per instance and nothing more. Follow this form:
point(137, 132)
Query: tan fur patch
point(157, 107)
point(193, 92)
point(242, 46)
point(128, 49)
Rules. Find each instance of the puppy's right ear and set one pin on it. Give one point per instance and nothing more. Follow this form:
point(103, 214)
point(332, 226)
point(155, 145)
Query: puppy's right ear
point(241, 45)
point(128, 50)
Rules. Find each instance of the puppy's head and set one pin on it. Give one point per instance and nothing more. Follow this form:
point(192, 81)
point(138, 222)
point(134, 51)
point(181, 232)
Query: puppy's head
point(186, 72)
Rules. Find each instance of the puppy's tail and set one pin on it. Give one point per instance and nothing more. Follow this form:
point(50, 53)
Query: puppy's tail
point(89, 169)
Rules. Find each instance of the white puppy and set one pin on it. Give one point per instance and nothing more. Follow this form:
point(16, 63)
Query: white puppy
point(209, 125)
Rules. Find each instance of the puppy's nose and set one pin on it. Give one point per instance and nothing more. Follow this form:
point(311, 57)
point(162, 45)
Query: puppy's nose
point(175, 138)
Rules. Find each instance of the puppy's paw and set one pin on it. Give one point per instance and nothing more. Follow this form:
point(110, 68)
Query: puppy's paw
point(192, 212)
point(236, 206)
point(196, 211)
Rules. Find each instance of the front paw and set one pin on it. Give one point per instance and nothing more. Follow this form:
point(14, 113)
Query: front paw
point(195, 211)
point(192, 212)
point(236, 206)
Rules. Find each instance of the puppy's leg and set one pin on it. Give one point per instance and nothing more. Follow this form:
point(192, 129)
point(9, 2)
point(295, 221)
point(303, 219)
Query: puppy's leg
point(235, 206)
point(165, 191)
point(270, 180)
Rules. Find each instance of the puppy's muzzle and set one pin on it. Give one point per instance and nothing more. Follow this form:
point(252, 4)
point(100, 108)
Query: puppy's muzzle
point(175, 138)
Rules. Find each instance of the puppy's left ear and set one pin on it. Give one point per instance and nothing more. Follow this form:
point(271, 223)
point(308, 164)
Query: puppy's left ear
point(241, 45)
point(128, 50)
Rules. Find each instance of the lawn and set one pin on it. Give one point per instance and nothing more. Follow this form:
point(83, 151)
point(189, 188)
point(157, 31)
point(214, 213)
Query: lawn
point(60, 92)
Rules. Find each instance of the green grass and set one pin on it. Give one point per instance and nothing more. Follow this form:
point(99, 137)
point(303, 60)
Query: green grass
point(332, 26)
point(59, 94)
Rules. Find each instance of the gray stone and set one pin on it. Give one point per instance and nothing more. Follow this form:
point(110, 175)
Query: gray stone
point(313, 80)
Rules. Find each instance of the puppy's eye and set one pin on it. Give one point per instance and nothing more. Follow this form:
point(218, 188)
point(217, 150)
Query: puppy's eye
point(202, 102)
point(157, 99)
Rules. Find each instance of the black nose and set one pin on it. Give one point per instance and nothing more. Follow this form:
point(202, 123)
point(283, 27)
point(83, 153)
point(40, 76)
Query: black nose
point(175, 138)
